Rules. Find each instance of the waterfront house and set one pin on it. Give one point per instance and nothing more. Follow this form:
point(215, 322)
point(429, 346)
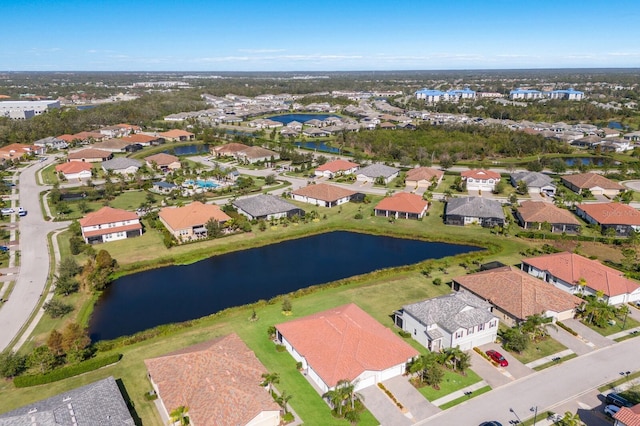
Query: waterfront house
point(622, 218)
point(109, 224)
point(474, 210)
point(402, 205)
point(254, 154)
point(228, 150)
point(266, 207)
point(323, 194)
point(164, 162)
point(532, 214)
point(177, 135)
point(190, 222)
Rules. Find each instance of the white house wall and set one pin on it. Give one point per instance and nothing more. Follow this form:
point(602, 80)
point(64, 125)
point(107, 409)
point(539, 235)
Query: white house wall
point(265, 418)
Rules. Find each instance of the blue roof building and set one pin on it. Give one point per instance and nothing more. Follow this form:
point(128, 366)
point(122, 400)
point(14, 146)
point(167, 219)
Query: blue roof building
point(525, 94)
point(569, 94)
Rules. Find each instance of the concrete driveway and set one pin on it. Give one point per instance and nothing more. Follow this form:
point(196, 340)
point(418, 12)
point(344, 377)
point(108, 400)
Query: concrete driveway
point(515, 369)
point(492, 375)
point(382, 408)
point(592, 337)
point(416, 404)
point(577, 345)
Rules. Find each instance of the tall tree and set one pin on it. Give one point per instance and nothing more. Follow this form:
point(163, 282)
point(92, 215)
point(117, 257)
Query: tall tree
point(179, 415)
point(270, 379)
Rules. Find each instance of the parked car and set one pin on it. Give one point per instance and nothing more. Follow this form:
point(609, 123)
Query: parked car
point(491, 423)
point(4, 248)
point(611, 410)
point(497, 357)
point(617, 400)
point(21, 211)
point(7, 210)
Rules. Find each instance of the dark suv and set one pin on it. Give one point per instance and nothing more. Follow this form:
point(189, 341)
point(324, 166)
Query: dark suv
point(617, 400)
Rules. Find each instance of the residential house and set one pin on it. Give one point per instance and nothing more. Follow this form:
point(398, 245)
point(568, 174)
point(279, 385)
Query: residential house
point(90, 155)
point(402, 205)
point(98, 403)
point(480, 180)
point(165, 162)
point(15, 151)
point(228, 150)
point(109, 224)
point(423, 177)
point(335, 168)
point(345, 343)
point(266, 207)
point(122, 166)
point(52, 143)
point(594, 182)
point(537, 183)
point(254, 154)
point(314, 132)
point(627, 416)
point(75, 170)
point(114, 131)
point(144, 140)
point(88, 137)
point(575, 274)
point(377, 172)
point(533, 214)
point(177, 135)
point(323, 194)
point(516, 295)
point(190, 222)
point(459, 319)
point(113, 145)
point(474, 210)
point(622, 218)
point(163, 187)
point(219, 381)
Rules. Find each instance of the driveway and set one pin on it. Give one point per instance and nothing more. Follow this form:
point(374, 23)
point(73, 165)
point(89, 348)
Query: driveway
point(578, 346)
point(492, 375)
point(594, 338)
point(515, 369)
point(417, 405)
point(382, 408)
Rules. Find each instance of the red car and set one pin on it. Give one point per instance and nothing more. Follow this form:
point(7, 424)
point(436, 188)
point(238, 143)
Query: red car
point(497, 357)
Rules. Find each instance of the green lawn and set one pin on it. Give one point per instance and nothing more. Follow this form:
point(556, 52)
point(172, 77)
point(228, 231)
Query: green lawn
point(49, 176)
point(465, 398)
point(616, 328)
point(452, 382)
point(537, 350)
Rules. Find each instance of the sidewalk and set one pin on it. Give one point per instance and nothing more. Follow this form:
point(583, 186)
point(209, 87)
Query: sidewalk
point(550, 358)
point(459, 393)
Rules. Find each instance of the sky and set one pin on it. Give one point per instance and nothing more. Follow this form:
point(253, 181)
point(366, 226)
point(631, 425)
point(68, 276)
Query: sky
point(326, 35)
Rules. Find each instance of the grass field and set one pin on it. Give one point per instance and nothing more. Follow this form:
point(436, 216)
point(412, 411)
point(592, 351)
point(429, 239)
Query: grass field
point(537, 350)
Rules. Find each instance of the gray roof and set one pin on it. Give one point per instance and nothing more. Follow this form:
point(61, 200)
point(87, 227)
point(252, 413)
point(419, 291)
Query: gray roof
point(264, 205)
point(98, 403)
point(163, 184)
point(377, 170)
point(120, 163)
point(452, 311)
point(532, 179)
point(474, 207)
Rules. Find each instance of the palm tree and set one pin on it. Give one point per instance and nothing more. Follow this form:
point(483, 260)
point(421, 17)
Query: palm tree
point(464, 362)
point(570, 419)
point(422, 364)
point(348, 390)
point(536, 327)
point(179, 415)
point(335, 398)
point(270, 379)
point(283, 400)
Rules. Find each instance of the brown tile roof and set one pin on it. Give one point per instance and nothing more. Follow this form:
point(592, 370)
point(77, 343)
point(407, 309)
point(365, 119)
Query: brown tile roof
point(140, 138)
point(89, 153)
point(336, 166)
point(324, 192)
point(104, 231)
point(230, 148)
point(73, 167)
point(480, 174)
point(539, 211)
point(423, 173)
point(343, 342)
point(570, 268)
point(175, 133)
point(219, 381)
point(591, 180)
point(88, 135)
point(162, 159)
point(629, 416)
point(112, 144)
point(193, 214)
point(403, 202)
point(611, 213)
point(66, 138)
point(257, 152)
point(517, 292)
point(107, 215)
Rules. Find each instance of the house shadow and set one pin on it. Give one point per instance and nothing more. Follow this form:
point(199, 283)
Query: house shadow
point(130, 405)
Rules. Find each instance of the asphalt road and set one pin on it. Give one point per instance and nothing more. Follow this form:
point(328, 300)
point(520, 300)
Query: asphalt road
point(34, 257)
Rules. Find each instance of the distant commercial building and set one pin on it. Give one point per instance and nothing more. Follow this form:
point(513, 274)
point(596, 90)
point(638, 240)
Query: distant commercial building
point(526, 94)
point(434, 96)
point(22, 110)
point(567, 94)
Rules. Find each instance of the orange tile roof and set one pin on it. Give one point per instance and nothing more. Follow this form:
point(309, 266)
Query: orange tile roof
point(175, 133)
point(162, 159)
point(324, 192)
point(539, 211)
point(73, 167)
point(88, 135)
point(591, 180)
point(571, 267)
point(336, 166)
point(611, 213)
point(219, 381)
point(89, 153)
point(66, 138)
point(104, 231)
point(480, 174)
point(140, 138)
point(107, 215)
point(629, 416)
point(517, 292)
point(423, 173)
point(403, 202)
point(230, 148)
point(343, 342)
point(190, 215)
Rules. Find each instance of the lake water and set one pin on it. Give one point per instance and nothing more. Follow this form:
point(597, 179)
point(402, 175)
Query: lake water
point(288, 118)
point(318, 146)
point(192, 149)
point(179, 293)
point(585, 161)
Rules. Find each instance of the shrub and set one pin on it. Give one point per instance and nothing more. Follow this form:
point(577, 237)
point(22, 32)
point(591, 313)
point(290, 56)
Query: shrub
point(358, 216)
point(56, 308)
point(299, 365)
point(404, 334)
point(566, 328)
point(76, 245)
point(65, 372)
point(280, 348)
point(150, 396)
point(437, 281)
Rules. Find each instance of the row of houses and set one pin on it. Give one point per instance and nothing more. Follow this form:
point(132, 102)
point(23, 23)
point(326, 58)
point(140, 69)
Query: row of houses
point(80, 164)
point(454, 95)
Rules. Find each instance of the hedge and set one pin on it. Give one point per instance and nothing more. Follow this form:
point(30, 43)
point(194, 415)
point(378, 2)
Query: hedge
point(65, 372)
point(567, 328)
point(552, 236)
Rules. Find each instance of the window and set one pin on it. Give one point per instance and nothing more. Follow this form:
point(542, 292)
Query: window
point(492, 324)
point(480, 327)
point(459, 334)
point(470, 330)
point(414, 331)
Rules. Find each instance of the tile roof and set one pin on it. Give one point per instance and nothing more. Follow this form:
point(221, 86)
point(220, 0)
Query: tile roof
point(73, 167)
point(109, 144)
point(66, 138)
point(571, 267)
point(451, 312)
point(480, 174)
point(162, 159)
point(120, 163)
point(107, 215)
point(628, 416)
point(140, 138)
point(257, 152)
point(219, 381)
point(343, 342)
point(611, 213)
point(324, 192)
point(517, 292)
point(193, 214)
point(264, 205)
point(591, 180)
point(175, 133)
point(403, 202)
point(88, 135)
point(474, 207)
point(532, 179)
point(98, 403)
point(378, 170)
point(89, 153)
point(105, 231)
point(539, 211)
point(230, 148)
point(423, 173)
point(336, 166)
